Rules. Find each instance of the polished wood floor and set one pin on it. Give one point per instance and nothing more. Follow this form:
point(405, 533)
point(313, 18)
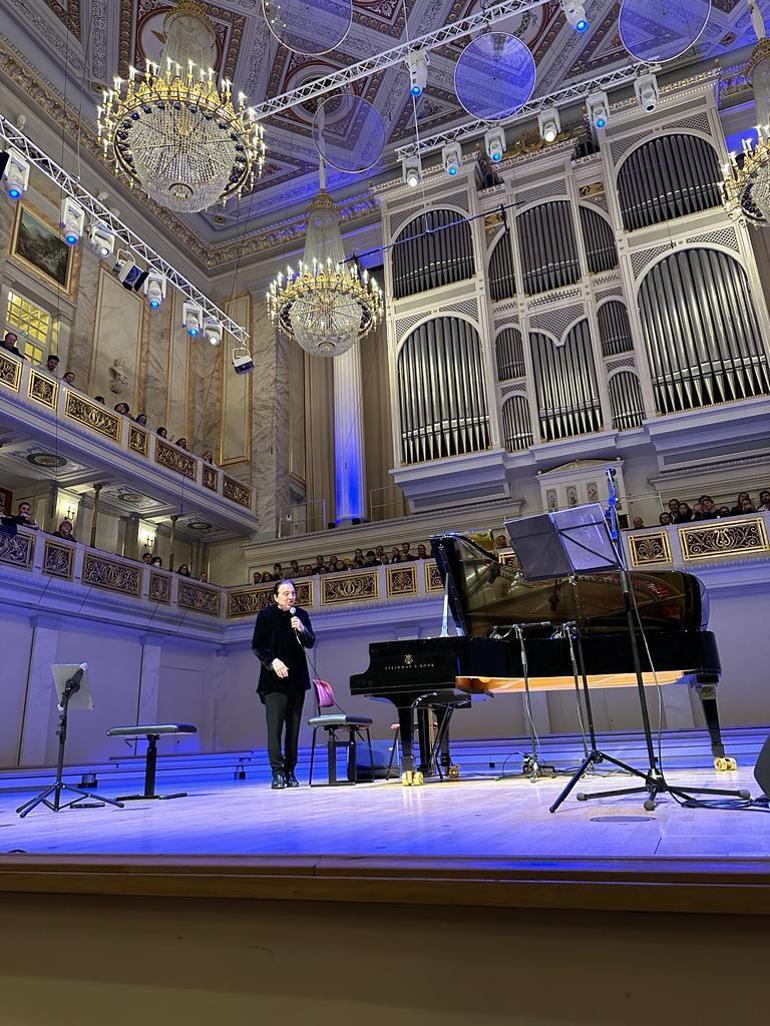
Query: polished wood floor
point(492, 811)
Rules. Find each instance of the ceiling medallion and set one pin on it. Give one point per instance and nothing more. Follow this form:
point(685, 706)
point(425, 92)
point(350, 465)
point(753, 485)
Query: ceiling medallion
point(46, 459)
point(173, 131)
point(199, 525)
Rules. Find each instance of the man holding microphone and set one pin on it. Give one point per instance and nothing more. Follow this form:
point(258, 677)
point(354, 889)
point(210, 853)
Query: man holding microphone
point(281, 635)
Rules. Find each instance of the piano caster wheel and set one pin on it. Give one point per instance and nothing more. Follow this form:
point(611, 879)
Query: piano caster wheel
point(649, 805)
point(417, 778)
point(453, 772)
point(725, 764)
point(406, 778)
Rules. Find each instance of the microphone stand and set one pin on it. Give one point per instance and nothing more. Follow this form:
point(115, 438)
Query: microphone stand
point(655, 782)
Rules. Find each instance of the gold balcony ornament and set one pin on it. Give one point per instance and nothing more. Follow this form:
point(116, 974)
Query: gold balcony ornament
point(177, 133)
point(328, 304)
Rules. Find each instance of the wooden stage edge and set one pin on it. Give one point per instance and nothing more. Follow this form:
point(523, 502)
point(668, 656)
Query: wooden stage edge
point(735, 886)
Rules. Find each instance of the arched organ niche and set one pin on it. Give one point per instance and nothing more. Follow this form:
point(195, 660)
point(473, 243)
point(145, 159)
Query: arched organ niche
point(626, 400)
point(441, 396)
point(434, 249)
point(517, 431)
point(614, 328)
point(668, 177)
point(701, 331)
point(599, 241)
point(509, 352)
point(565, 384)
point(502, 283)
point(549, 255)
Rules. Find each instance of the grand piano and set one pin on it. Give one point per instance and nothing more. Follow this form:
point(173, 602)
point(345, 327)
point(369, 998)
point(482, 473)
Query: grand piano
point(486, 596)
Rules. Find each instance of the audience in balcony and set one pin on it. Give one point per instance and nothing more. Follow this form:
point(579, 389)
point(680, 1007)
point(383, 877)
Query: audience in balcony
point(636, 523)
point(204, 577)
point(764, 500)
point(684, 514)
point(208, 457)
point(406, 552)
point(147, 558)
point(9, 344)
point(740, 504)
point(156, 561)
point(395, 555)
point(181, 443)
point(64, 530)
point(69, 378)
point(141, 418)
point(52, 364)
point(99, 399)
point(183, 570)
point(665, 519)
point(122, 408)
point(422, 551)
point(161, 432)
point(24, 516)
point(705, 509)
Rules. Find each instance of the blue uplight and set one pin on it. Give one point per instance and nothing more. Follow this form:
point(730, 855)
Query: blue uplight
point(601, 122)
point(193, 332)
point(14, 192)
point(71, 239)
point(452, 169)
point(415, 90)
point(582, 25)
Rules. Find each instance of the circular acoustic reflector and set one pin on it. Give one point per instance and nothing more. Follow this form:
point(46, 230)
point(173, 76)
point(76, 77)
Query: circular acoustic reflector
point(660, 30)
point(309, 26)
point(349, 133)
point(494, 76)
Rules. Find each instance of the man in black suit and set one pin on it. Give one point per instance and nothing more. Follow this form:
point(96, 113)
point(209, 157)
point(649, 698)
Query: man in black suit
point(281, 635)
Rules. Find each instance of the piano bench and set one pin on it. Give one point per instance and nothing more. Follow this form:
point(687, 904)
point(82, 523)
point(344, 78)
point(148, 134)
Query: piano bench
point(151, 731)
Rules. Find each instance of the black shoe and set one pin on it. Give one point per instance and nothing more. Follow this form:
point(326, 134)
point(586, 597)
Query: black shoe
point(291, 780)
point(279, 781)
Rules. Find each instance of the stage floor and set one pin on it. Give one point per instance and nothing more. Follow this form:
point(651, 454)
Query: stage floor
point(479, 816)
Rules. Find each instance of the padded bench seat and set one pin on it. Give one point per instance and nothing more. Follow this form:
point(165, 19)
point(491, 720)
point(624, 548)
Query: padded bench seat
point(152, 731)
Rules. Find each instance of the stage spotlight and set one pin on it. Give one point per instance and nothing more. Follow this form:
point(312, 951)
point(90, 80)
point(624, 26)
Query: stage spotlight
point(451, 158)
point(243, 361)
point(418, 72)
point(213, 330)
point(15, 172)
point(72, 221)
point(598, 108)
point(128, 272)
point(494, 144)
point(411, 170)
point(575, 13)
point(647, 92)
point(192, 318)
point(101, 238)
point(155, 289)
point(549, 124)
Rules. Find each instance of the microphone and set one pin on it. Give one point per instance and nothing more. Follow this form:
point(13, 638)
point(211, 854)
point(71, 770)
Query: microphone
point(72, 686)
point(293, 612)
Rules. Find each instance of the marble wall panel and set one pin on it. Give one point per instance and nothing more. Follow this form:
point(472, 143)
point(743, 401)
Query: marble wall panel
point(177, 418)
point(270, 417)
point(236, 394)
point(115, 359)
point(154, 362)
point(205, 388)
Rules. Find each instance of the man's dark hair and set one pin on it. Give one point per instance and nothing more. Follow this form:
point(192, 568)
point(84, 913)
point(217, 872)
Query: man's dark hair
point(285, 580)
point(52, 356)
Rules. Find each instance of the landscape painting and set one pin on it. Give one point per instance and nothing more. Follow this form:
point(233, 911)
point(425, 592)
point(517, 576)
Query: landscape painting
point(40, 247)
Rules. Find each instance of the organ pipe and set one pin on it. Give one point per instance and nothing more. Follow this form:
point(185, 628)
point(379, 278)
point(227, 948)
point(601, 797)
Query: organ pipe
point(433, 250)
point(614, 329)
point(547, 243)
point(509, 350)
point(441, 396)
point(517, 431)
point(668, 177)
point(626, 401)
point(599, 241)
point(565, 384)
point(502, 283)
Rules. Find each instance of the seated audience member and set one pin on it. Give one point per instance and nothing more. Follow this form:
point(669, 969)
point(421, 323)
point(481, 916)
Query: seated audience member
point(501, 542)
point(747, 506)
point(705, 509)
point(278, 574)
point(141, 418)
point(379, 553)
point(723, 511)
point(294, 570)
point(64, 530)
point(358, 558)
point(307, 570)
point(673, 508)
point(9, 344)
point(122, 408)
point(204, 577)
point(52, 365)
point(422, 551)
point(99, 399)
point(181, 443)
point(161, 432)
point(147, 558)
point(320, 565)
point(636, 523)
point(24, 516)
point(69, 378)
point(665, 519)
point(156, 561)
point(685, 514)
point(395, 555)
point(208, 456)
point(764, 499)
point(371, 558)
point(738, 507)
point(406, 553)
point(256, 577)
point(183, 570)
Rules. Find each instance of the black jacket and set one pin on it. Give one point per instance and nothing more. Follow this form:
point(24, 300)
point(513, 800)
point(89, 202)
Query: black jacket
point(275, 639)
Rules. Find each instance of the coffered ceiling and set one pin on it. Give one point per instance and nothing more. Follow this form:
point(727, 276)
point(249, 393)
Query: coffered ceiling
point(76, 46)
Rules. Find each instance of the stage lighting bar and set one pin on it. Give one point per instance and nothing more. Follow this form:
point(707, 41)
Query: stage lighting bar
point(418, 72)
point(549, 124)
point(15, 174)
point(575, 13)
point(12, 136)
point(598, 107)
point(452, 158)
point(411, 171)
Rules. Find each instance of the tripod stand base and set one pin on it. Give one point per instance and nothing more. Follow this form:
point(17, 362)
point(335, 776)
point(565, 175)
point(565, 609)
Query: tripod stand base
point(55, 804)
point(656, 785)
point(151, 797)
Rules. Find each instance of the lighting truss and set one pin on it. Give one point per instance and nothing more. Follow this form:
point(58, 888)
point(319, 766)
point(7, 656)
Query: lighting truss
point(71, 187)
point(568, 94)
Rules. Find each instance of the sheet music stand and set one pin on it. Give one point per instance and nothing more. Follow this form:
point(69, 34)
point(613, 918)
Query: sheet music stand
point(71, 684)
point(564, 543)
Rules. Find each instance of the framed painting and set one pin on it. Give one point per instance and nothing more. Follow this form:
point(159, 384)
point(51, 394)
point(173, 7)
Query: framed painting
point(37, 245)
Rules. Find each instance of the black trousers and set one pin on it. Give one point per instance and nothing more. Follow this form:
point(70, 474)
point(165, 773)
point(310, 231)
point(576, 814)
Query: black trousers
point(284, 717)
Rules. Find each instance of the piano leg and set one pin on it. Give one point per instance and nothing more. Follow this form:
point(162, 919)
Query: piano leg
point(708, 698)
point(406, 732)
point(424, 715)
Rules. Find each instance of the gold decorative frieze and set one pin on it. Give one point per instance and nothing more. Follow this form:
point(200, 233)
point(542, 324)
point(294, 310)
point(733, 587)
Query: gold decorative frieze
point(237, 492)
point(433, 580)
point(138, 440)
point(92, 415)
point(209, 478)
point(402, 580)
point(160, 587)
point(101, 572)
point(59, 559)
point(357, 587)
point(10, 372)
point(645, 549)
point(175, 459)
point(247, 601)
point(197, 597)
point(17, 550)
point(722, 538)
point(43, 390)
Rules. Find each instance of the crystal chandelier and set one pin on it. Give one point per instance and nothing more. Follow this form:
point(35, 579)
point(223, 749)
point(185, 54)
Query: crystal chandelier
point(176, 133)
point(328, 304)
point(746, 182)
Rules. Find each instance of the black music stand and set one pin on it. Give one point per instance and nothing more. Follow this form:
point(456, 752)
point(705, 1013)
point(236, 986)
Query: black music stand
point(564, 543)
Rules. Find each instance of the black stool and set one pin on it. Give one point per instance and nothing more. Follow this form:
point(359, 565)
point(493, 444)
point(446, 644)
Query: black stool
point(152, 732)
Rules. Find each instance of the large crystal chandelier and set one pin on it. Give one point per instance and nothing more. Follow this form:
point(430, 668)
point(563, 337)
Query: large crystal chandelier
point(746, 182)
point(176, 133)
point(328, 304)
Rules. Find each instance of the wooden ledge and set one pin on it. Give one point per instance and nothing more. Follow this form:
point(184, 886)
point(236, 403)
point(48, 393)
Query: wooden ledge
point(739, 886)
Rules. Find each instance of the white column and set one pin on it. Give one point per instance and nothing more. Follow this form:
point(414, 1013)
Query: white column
point(35, 729)
point(350, 484)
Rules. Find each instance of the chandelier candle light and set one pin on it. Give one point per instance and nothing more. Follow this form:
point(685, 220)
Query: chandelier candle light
point(176, 133)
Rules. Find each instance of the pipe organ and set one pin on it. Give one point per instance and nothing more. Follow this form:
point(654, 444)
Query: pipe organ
point(510, 354)
point(517, 433)
point(547, 244)
point(614, 328)
point(626, 400)
point(502, 280)
point(565, 384)
point(433, 250)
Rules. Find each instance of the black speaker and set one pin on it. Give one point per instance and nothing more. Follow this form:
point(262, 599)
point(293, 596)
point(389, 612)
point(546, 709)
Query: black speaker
point(762, 768)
